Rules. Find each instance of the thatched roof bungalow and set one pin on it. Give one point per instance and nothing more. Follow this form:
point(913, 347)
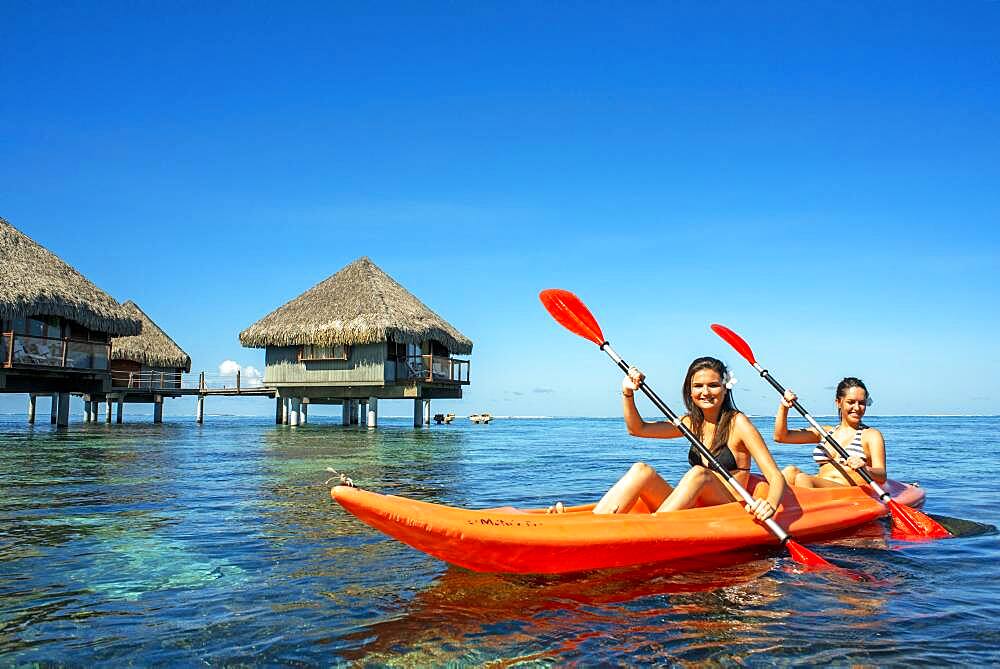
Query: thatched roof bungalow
point(358, 305)
point(357, 335)
point(56, 324)
point(148, 359)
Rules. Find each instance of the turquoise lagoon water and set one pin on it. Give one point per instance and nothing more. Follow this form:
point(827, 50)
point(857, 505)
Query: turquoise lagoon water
point(218, 544)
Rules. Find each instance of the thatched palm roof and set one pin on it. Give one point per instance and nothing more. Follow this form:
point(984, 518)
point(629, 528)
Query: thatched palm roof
point(360, 304)
point(34, 281)
point(151, 347)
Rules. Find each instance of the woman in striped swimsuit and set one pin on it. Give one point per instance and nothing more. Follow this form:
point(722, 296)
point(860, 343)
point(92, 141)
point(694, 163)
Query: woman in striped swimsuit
point(863, 444)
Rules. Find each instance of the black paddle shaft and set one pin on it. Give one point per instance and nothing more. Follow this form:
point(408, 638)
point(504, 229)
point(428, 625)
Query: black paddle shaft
point(828, 437)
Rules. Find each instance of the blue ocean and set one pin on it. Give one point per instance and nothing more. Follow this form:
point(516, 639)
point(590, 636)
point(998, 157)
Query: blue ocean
point(180, 544)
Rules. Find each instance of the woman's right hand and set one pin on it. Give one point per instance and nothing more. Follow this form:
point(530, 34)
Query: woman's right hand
point(761, 509)
point(632, 381)
point(788, 400)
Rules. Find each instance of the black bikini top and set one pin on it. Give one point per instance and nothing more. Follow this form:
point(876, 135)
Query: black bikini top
point(724, 456)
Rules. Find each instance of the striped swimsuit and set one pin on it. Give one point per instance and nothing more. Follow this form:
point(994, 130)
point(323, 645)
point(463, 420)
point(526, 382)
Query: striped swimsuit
point(853, 448)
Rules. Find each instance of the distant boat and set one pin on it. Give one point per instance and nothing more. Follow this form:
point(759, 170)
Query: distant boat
point(481, 417)
point(443, 418)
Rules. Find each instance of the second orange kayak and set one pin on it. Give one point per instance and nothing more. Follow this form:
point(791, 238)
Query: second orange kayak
point(531, 541)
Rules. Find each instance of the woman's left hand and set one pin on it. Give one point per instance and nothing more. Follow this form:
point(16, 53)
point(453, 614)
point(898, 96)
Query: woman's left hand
point(854, 462)
point(761, 509)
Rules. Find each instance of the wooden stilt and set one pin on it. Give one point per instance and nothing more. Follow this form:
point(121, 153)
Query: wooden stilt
point(279, 411)
point(200, 415)
point(372, 412)
point(55, 408)
point(107, 416)
point(427, 412)
point(32, 400)
point(120, 417)
point(418, 413)
point(63, 410)
point(157, 408)
point(293, 411)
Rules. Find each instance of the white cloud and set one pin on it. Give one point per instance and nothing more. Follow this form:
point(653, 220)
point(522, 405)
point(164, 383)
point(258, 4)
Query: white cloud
point(249, 375)
point(252, 376)
point(229, 368)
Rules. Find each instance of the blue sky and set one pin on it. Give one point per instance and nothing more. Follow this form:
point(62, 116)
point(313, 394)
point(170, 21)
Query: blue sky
point(820, 177)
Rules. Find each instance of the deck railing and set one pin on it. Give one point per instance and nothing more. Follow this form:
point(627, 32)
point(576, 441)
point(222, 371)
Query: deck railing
point(147, 380)
point(153, 380)
point(53, 352)
point(433, 369)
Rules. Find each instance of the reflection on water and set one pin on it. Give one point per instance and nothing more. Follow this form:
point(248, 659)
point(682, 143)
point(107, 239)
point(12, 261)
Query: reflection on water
point(566, 612)
point(188, 544)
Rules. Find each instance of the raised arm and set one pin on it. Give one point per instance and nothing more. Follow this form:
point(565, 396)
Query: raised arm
point(874, 444)
point(754, 443)
point(634, 423)
point(782, 434)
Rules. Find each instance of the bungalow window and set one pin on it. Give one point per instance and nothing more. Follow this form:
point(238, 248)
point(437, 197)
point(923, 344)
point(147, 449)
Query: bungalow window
point(335, 352)
point(44, 326)
point(396, 351)
point(36, 327)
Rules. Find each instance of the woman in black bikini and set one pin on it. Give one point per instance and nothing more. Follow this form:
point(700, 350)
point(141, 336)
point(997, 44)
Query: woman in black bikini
point(714, 418)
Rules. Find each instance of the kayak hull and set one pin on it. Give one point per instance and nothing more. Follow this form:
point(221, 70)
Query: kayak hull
point(509, 540)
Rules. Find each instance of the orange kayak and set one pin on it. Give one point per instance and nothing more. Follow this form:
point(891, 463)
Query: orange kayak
point(532, 541)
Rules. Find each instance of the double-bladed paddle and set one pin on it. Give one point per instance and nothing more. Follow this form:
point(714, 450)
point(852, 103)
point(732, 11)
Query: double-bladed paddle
point(572, 314)
point(905, 520)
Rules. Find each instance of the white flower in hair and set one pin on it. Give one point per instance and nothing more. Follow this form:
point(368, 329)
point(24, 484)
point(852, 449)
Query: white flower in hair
point(730, 380)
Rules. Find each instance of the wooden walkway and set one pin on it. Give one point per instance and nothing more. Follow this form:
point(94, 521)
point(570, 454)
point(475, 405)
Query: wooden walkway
point(201, 384)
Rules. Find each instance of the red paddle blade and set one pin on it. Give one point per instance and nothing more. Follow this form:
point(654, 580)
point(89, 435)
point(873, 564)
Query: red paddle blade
point(735, 341)
point(806, 557)
point(803, 555)
point(572, 314)
point(908, 523)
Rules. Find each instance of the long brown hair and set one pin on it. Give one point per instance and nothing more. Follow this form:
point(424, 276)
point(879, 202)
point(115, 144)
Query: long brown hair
point(726, 415)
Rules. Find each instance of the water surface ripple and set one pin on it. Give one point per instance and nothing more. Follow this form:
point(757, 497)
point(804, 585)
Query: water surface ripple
point(186, 544)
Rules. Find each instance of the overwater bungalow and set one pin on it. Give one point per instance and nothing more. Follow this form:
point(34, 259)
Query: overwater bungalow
point(55, 326)
point(353, 339)
point(145, 368)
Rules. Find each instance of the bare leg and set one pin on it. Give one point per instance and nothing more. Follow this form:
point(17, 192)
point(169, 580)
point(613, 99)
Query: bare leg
point(790, 473)
point(688, 489)
point(820, 482)
point(803, 480)
point(640, 482)
point(699, 486)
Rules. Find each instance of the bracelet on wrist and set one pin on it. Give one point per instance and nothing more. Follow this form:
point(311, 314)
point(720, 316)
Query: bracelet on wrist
point(629, 394)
